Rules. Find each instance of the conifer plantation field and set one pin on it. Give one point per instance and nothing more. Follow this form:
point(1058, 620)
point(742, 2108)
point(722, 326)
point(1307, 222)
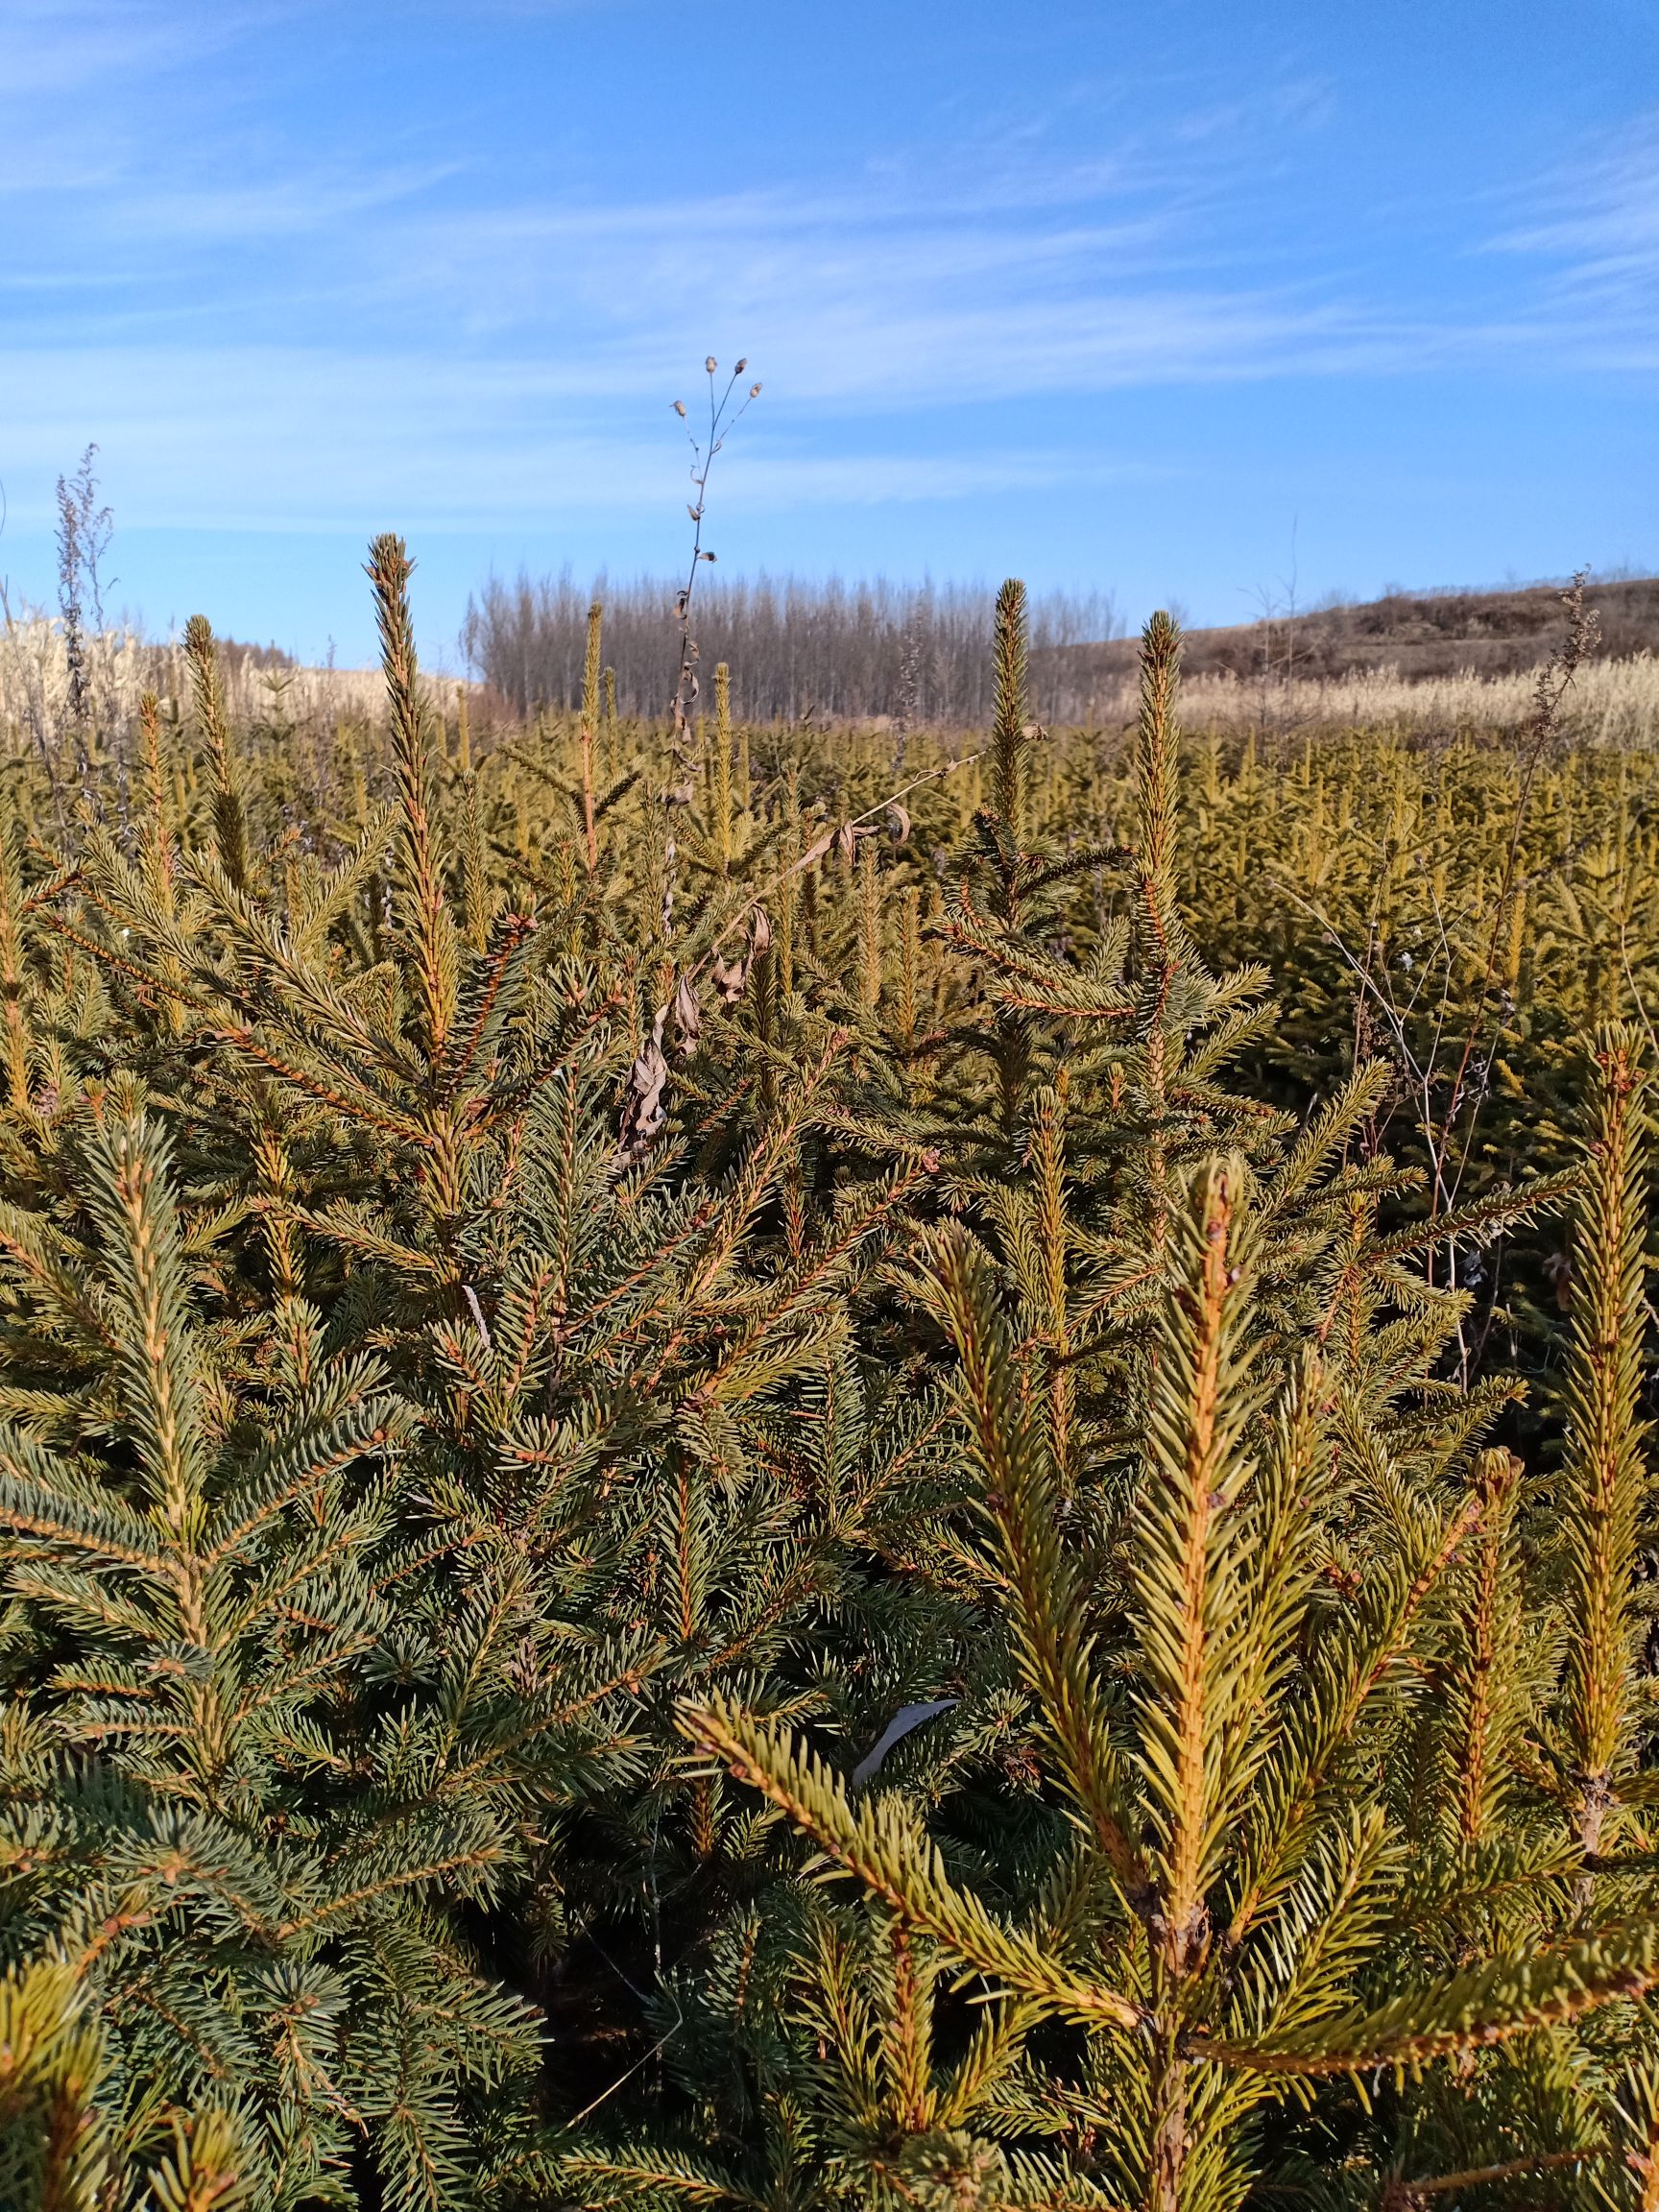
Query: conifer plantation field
point(771, 1469)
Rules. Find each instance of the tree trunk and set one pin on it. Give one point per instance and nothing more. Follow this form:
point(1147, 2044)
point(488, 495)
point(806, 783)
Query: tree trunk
point(1168, 2160)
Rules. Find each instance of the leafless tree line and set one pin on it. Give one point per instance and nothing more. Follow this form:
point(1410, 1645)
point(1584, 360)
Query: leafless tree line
point(797, 648)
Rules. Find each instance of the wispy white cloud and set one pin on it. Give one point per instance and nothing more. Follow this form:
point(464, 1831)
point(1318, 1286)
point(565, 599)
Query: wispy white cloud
point(280, 439)
point(314, 202)
point(1602, 211)
point(869, 297)
point(351, 340)
point(1592, 227)
point(908, 285)
point(65, 48)
point(994, 270)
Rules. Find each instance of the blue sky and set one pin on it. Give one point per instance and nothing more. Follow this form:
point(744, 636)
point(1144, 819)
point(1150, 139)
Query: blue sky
point(1182, 300)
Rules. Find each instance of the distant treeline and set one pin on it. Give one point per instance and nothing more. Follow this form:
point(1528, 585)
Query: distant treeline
point(858, 652)
point(797, 649)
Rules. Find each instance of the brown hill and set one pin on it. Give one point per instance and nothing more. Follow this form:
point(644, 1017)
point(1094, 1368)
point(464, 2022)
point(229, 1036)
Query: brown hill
point(1421, 633)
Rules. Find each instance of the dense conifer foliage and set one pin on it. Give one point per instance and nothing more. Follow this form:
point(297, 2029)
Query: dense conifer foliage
point(728, 1477)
